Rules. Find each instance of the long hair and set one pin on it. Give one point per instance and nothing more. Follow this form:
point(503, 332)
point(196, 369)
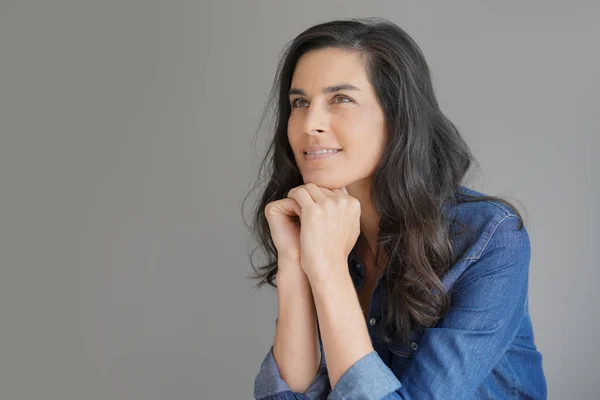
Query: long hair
point(421, 169)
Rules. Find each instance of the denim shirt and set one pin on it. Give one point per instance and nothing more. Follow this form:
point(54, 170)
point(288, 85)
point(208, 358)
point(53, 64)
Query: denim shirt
point(482, 348)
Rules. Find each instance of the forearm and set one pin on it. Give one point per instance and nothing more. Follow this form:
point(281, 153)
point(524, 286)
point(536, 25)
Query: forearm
point(343, 330)
point(296, 348)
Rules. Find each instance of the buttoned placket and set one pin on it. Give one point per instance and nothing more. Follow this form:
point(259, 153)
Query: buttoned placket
point(357, 273)
point(375, 307)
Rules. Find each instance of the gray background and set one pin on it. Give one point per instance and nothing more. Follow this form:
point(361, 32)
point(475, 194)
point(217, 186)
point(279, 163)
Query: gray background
point(126, 148)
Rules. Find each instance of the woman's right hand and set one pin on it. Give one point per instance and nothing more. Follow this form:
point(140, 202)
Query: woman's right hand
point(284, 223)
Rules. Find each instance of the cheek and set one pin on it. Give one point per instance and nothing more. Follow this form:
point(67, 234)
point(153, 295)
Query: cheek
point(293, 132)
point(360, 130)
point(365, 138)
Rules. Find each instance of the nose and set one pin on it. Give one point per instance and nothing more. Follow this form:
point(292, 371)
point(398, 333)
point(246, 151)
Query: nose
point(316, 120)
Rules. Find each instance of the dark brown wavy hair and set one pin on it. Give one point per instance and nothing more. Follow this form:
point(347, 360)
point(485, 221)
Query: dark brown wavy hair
point(421, 168)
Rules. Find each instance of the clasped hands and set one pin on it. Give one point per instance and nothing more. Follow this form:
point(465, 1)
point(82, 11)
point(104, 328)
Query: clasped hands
point(329, 228)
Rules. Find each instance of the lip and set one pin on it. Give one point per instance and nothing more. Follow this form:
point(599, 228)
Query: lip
point(314, 157)
point(317, 148)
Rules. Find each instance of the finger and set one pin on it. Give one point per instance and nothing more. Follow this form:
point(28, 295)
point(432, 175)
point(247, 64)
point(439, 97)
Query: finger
point(316, 192)
point(288, 206)
point(301, 195)
point(340, 192)
point(344, 190)
point(327, 192)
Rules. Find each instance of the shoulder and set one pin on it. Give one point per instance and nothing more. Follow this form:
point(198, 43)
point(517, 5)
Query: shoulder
point(468, 207)
point(484, 228)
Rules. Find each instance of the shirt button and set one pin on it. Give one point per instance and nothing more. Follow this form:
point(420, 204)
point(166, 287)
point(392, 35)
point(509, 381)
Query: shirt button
point(372, 321)
point(414, 345)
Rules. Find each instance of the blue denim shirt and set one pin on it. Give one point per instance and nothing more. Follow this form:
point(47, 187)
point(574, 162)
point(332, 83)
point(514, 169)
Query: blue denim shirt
point(482, 348)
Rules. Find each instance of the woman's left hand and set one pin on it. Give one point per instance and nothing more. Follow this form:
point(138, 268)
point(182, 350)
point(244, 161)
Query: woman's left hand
point(329, 228)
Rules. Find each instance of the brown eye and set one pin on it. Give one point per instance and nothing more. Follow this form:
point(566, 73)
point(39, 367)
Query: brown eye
point(294, 103)
point(343, 97)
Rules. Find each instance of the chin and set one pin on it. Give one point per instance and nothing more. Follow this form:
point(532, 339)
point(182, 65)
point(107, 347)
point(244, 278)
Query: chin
point(327, 183)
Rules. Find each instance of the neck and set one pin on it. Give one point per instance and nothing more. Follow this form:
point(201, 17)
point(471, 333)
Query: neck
point(369, 220)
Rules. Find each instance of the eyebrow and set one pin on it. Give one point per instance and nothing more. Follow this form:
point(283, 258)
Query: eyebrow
point(329, 89)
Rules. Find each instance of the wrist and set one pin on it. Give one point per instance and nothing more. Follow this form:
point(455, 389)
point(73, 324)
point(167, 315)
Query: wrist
point(288, 256)
point(290, 270)
point(333, 279)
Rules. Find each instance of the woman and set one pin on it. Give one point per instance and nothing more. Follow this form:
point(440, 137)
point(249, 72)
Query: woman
point(394, 280)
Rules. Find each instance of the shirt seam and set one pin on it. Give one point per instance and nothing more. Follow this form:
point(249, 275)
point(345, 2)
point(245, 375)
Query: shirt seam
point(488, 239)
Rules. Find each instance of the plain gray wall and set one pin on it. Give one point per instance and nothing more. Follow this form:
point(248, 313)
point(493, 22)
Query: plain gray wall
point(126, 148)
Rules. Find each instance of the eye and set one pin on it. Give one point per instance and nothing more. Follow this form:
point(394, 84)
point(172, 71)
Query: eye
point(294, 103)
point(343, 97)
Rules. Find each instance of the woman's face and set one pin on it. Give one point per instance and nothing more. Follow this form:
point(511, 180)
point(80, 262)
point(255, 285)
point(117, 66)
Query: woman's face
point(334, 106)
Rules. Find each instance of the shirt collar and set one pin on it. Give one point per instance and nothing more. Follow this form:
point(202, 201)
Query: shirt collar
point(356, 269)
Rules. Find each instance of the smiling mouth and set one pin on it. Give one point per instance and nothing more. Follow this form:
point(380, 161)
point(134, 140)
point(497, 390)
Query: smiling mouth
point(318, 155)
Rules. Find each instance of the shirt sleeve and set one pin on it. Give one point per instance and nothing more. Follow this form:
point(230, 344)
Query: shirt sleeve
point(454, 357)
point(268, 384)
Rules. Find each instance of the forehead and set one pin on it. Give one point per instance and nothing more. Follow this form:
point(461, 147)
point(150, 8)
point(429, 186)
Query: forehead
point(324, 67)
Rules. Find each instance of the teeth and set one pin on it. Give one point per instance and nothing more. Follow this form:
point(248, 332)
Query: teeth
point(321, 152)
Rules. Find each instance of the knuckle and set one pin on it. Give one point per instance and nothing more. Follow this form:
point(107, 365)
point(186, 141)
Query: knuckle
point(352, 203)
point(267, 209)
